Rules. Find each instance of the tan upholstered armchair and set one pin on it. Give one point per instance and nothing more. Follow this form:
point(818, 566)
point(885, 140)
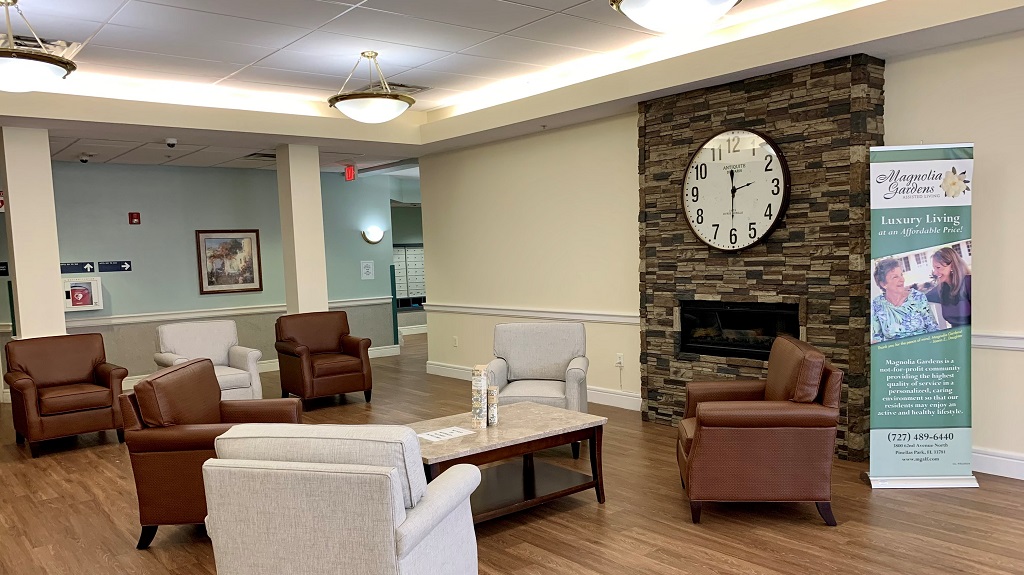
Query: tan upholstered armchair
point(319, 357)
point(763, 440)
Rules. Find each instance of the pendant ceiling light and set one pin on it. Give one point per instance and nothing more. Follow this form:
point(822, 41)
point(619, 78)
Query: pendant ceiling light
point(674, 15)
point(27, 65)
point(372, 106)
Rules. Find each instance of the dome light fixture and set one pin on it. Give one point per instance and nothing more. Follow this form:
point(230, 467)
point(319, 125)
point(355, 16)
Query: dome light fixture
point(673, 16)
point(28, 67)
point(373, 235)
point(372, 106)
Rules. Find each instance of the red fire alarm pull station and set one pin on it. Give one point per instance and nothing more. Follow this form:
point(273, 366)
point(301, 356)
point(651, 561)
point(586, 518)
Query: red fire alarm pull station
point(350, 173)
point(134, 218)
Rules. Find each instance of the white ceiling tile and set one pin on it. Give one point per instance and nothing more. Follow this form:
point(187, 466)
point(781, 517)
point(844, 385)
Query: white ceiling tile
point(556, 5)
point(211, 156)
point(600, 11)
point(58, 144)
point(99, 151)
point(200, 26)
point(92, 10)
point(51, 27)
point(579, 33)
point(430, 99)
point(290, 78)
point(377, 25)
point(306, 93)
point(154, 154)
point(478, 66)
point(492, 15)
point(336, 160)
point(310, 14)
point(156, 62)
point(431, 79)
point(529, 51)
point(137, 74)
point(177, 44)
point(338, 66)
point(251, 164)
point(325, 43)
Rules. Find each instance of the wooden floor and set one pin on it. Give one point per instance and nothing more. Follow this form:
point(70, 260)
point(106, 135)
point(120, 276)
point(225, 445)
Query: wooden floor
point(73, 509)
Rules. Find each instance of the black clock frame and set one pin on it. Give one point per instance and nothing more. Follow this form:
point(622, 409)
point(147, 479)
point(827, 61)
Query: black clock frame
point(783, 208)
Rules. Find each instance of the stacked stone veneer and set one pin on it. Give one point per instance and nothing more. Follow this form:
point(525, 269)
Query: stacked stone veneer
point(824, 117)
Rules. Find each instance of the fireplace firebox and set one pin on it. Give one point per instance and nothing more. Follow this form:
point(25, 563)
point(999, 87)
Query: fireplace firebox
point(735, 329)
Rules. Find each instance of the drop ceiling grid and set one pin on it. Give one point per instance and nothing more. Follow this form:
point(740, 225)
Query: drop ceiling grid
point(311, 45)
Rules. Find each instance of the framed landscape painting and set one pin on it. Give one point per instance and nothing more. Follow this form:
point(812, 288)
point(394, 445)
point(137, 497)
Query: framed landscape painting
point(229, 261)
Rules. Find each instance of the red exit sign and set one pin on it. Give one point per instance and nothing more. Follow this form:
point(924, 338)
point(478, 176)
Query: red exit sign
point(350, 173)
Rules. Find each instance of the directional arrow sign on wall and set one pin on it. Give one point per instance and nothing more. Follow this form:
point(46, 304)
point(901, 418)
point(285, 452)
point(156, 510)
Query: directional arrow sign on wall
point(76, 267)
point(116, 266)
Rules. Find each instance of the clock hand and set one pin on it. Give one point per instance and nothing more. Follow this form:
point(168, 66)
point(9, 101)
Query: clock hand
point(744, 185)
point(732, 178)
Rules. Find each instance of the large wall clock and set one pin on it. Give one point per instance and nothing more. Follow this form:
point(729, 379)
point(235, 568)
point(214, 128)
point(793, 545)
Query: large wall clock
point(736, 189)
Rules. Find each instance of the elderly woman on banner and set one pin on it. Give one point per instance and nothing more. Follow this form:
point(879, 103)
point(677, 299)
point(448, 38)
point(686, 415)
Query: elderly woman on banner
point(952, 287)
point(900, 311)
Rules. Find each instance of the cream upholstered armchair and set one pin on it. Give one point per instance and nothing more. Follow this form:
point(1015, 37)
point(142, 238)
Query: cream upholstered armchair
point(236, 366)
point(541, 362)
point(312, 499)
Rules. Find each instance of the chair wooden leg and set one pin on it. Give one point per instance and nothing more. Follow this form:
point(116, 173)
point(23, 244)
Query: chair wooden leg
point(19, 438)
point(367, 395)
point(825, 510)
point(695, 507)
point(575, 449)
point(146, 537)
point(32, 447)
point(120, 435)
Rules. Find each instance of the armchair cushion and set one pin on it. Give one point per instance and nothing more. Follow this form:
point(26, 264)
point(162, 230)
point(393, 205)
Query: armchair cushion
point(73, 397)
point(197, 339)
point(320, 331)
point(765, 414)
point(794, 371)
point(375, 445)
point(539, 350)
point(232, 378)
point(58, 360)
point(328, 364)
point(547, 392)
point(180, 395)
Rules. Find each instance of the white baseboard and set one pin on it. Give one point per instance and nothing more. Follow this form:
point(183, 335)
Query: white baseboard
point(612, 397)
point(1001, 463)
point(385, 350)
point(412, 329)
point(449, 370)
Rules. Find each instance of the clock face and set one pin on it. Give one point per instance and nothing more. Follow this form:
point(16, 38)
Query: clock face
point(736, 190)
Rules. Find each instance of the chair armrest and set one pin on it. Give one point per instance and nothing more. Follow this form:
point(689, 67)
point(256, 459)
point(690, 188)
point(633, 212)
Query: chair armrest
point(763, 414)
point(244, 358)
point(166, 359)
point(288, 410)
point(444, 494)
point(497, 372)
point(199, 437)
point(110, 375)
point(289, 347)
point(356, 347)
point(726, 390)
point(576, 384)
point(19, 380)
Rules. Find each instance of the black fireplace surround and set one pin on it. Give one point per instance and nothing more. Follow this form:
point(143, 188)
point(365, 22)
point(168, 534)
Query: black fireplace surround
point(735, 329)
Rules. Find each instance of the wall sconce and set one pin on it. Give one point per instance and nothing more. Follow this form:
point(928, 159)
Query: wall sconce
point(373, 235)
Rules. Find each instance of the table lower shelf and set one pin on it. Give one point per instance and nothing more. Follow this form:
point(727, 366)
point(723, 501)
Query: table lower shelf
point(510, 487)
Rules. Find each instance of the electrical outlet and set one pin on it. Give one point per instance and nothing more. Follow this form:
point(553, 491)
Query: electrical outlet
point(455, 341)
point(618, 360)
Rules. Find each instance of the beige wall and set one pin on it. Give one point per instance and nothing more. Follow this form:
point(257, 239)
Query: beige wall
point(541, 223)
point(974, 92)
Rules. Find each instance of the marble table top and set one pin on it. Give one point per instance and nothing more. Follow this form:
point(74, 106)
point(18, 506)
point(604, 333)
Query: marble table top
point(517, 423)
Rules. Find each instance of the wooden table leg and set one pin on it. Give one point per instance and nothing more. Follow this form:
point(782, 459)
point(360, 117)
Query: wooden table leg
point(529, 477)
point(595, 461)
point(431, 471)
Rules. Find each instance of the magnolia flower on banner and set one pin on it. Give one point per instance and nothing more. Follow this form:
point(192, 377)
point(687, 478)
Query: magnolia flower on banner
point(955, 183)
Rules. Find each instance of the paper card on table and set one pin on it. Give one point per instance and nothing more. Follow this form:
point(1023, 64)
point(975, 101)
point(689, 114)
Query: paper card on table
point(446, 433)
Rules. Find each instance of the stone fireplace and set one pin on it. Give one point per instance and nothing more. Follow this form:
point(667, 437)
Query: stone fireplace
point(734, 329)
point(824, 117)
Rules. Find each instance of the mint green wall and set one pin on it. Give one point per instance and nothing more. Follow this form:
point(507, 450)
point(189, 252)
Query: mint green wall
point(93, 202)
point(407, 224)
point(350, 207)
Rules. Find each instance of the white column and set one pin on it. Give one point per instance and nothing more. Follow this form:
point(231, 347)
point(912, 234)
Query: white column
point(302, 228)
point(32, 232)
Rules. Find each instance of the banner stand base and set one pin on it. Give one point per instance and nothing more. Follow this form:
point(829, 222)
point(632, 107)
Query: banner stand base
point(920, 482)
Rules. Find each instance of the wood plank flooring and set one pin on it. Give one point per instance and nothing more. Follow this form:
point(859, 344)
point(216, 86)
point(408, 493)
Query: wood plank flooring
point(73, 509)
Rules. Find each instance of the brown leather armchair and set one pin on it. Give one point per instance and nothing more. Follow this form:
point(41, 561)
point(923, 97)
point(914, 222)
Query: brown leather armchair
point(62, 386)
point(171, 422)
point(763, 440)
point(318, 357)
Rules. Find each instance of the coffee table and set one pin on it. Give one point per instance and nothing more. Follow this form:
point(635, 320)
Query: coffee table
point(520, 483)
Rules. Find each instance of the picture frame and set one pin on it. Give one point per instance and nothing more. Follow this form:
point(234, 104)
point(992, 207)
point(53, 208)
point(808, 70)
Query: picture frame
point(229, 261)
